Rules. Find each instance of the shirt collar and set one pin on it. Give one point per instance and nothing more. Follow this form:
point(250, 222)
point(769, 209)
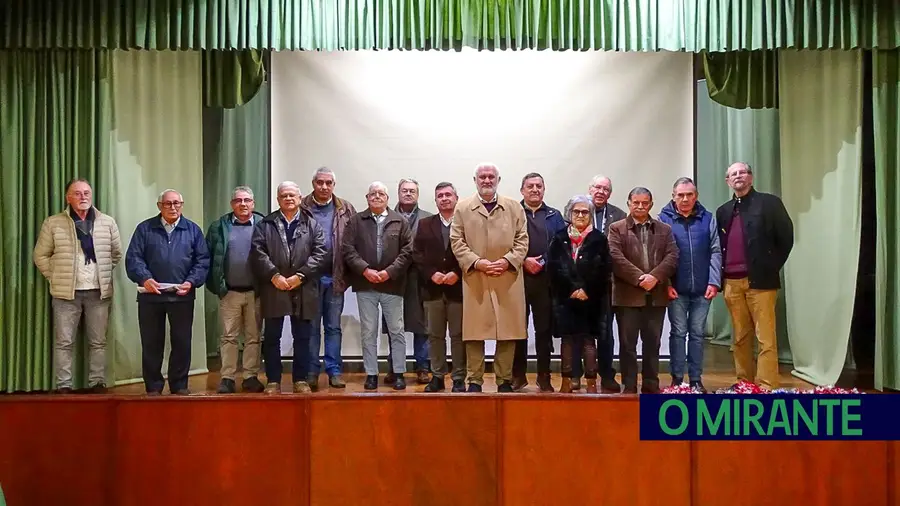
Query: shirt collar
point(446, 223)
point(494, 199)
point(283, 217)
point(235, 220)
point(166, 225)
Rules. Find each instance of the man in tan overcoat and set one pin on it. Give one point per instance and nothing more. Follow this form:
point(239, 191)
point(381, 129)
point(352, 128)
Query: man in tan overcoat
point(489, 237)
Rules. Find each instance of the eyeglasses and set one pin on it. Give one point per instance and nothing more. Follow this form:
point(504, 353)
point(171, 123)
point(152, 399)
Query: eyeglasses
point(641, 204)
point(173, 204)
point(377, 194)
point(580, 212)
point(242, 201)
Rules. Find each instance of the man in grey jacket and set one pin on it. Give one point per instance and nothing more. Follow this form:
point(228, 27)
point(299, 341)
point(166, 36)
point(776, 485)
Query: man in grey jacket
point(76, 251)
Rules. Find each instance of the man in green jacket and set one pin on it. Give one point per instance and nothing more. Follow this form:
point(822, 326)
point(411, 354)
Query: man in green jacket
point(231, 279)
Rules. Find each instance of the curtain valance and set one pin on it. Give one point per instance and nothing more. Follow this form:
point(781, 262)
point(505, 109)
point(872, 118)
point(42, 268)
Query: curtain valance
point(617, 25)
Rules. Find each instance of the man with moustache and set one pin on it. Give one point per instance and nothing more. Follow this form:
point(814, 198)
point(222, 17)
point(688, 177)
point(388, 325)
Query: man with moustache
point(231, 279)
point(413, 313)
point(332, 213)
point(644, 257)
point(442, 290)
point(544, 222)
point(168, 259)
point(757, 236)
point(489, 237)
point(77, 250)
point(378, 251)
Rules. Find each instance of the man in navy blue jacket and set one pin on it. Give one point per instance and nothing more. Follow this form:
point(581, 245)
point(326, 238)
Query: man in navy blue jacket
point(696, 282)
point(543, 224)
point(168, 259)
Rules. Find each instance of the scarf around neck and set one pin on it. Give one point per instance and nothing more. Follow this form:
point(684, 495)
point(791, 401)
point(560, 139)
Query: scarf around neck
point(577, 238)
point(84, 230)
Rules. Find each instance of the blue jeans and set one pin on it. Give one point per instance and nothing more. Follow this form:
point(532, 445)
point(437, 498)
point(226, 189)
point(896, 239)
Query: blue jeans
point(687, 317)
point(331, 306)
point(272, 348)
point(369, 322)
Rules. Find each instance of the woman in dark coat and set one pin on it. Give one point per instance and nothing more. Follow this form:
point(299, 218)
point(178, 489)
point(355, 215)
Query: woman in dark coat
point(581, 271)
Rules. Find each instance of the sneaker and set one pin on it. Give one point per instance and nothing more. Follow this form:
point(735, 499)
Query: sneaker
point(677, 381)
point(252, 385)
point(698, 385)
point(302, 387)
point(226, 386)
point(273, 388)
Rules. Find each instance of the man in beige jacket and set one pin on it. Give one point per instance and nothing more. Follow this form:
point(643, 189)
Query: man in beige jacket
point(77, 251)
point(489, 237)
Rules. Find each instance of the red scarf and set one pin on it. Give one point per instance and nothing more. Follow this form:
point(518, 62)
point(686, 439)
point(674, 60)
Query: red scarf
point(577, 238)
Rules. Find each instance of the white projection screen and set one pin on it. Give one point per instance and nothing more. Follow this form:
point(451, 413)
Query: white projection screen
point(433, 116)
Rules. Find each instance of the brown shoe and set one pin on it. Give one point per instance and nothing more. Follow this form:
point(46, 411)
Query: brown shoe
point(543, 382)
point(576, 383)
point(390, 378)
point(591, 386)
point(519, 383)
point(566, 387)
point(422, 377)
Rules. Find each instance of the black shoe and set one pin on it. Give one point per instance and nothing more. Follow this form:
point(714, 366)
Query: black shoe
point(698, 385)
point(371, 383)
point(458, 386)
point(252, 385)
point(226, 386)
point(505, 388)
point(65, 391)
point(677, 381)
point(99, 388)
point(436, 384)
point(474, 388)
point(400, 383)
point(313, 381)
point(610, 386)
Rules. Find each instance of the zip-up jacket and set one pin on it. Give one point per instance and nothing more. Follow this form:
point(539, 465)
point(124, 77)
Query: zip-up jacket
point(699, 252)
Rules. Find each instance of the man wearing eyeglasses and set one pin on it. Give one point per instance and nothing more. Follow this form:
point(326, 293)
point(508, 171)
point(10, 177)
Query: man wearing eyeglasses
point(757, 236)
point(644, 257)
point(231, 279)
point(378, 251)
point(168, 259)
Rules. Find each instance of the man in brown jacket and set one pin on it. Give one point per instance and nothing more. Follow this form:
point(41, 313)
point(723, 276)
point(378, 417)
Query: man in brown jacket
point(77, 251)
point(489, 237)
point(644, 256)
point(378, 250)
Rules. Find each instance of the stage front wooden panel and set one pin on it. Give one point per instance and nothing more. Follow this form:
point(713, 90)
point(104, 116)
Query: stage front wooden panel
point(435, 449)
point(54, 452)
point(195, 451)
point(440, 449)
point(822, 473)
point(584, 451)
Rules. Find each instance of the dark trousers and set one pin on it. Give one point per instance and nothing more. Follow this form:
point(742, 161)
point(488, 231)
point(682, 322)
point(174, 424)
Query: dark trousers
point(152, 322)
point(540, 306)
point(586, 345)
point(605, 353)
point(300, 329)
point(645, 322)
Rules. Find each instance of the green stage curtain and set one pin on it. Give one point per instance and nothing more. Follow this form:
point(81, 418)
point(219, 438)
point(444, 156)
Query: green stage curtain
point(235, 152)
point(619, 25)
point(886, 112)
point(821, 185)
point(231, 78)
point(157, 143)
point(726, 135)
point(742, 79)
point(55, 110)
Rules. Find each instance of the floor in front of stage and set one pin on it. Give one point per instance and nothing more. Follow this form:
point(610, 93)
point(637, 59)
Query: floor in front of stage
point(718, 373)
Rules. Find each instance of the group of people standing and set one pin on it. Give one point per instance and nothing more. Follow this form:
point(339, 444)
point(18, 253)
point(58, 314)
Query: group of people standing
point(475, 270)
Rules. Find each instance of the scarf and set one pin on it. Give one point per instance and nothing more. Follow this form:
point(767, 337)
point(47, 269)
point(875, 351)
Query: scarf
point(84, 230)
point(577, 238)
